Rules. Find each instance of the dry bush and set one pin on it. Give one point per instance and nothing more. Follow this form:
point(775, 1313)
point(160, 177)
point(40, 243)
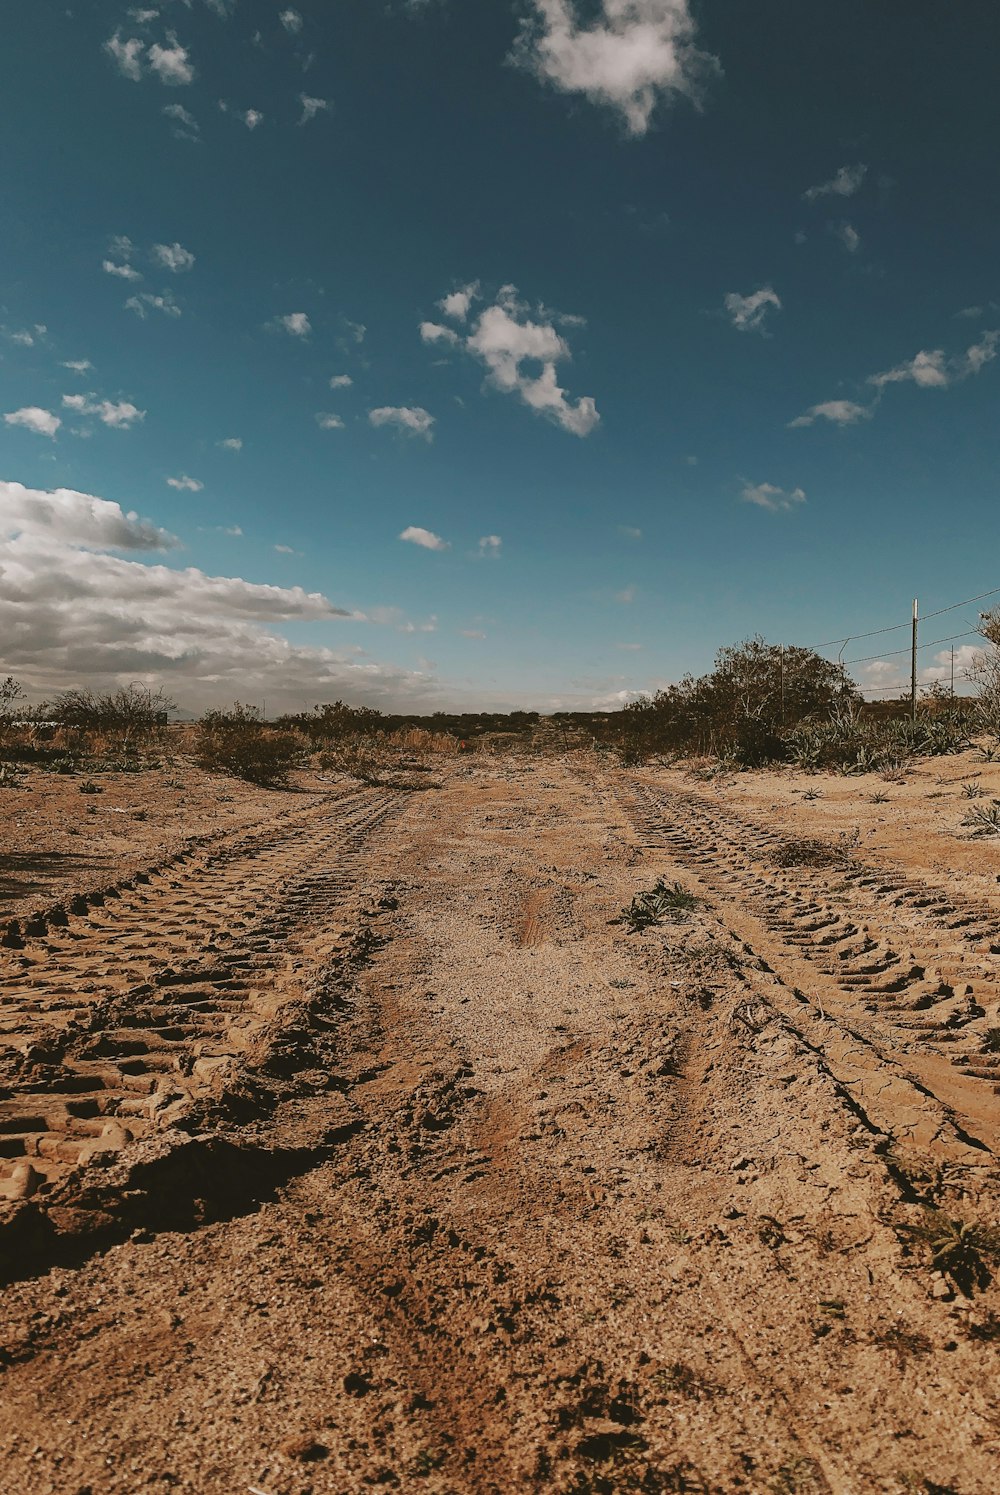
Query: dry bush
point(238, 742)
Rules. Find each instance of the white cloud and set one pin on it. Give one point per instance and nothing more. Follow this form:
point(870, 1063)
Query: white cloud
point(747, 313)
point(426, 538)
point(979, 354)
point(127, 55)
point(27, 338)
point(844, 183)
point(184, 484)
point(64, 516)
point(231, 444)
point(143, 17)
point(286, 550)
point(251, 118)
point(173, 257)
point(838, 412)
point(848, 236)
point(767, 496)
point(120, 414)
point(186, 127)
point(490, 545)
point(78, 365)
point(471, 633)
point(291, 20)
point(434, 332)
point(627, 595)
point(633, 54)
point(341, 381)
point(412, 420)
point(630, 531)
point(146, 301)
point(171, 64)
point(328, 421)
point(124, 272)
point(311, 107)
point(296, 324)
point(458, 303)
point(356, 329)
point(71, 613)
point(504, 339)
point(33, 418)
point(928, 370)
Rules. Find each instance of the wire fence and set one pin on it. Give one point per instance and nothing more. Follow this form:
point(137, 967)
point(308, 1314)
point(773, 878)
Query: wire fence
point(904, 686)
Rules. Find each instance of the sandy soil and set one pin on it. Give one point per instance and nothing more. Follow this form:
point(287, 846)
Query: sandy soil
point(357, 1147)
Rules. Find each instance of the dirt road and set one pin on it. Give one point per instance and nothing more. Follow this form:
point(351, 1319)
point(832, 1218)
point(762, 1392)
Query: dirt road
point(362, 1150)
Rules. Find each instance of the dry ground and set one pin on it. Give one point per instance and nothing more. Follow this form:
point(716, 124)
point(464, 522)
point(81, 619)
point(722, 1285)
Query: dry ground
point(347, 1144)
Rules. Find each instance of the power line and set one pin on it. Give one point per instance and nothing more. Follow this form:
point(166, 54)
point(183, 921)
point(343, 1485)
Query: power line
point(895, 627)
point(890, 653)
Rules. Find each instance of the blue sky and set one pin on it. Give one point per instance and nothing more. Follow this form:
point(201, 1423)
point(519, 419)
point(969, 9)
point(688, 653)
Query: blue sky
point(554, 344)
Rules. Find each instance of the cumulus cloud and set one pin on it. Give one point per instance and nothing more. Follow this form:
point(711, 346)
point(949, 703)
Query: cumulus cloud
point(64, 516)
point(123, 271)
point(231, 443)
point(295, 323)
point(186, 127)
point(27, 337)
point(119, 414)
point(426, 538)
point(292, 21)
point(172, 257)
point(311, 107)
point(848, 236)
point(630, 55)
point(184, 484)
point(251, 118)
point(341, 381)
point(838, 412)
point(127, 55)
point(145, 302)
point(171, 63)
point(928, 370)
point(78, 365)
point(767, 496)
point(505, 338)
point(411, 420)
point(327, 421)
point(34, 418)
point(844, 183)
point(747, 313)
point(458, 303)
point(490, 545)
point(434, 332)
point(72, 613)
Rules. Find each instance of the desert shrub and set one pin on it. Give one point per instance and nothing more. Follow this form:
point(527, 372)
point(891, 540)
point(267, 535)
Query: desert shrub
point(240, 743)
point(117, 724)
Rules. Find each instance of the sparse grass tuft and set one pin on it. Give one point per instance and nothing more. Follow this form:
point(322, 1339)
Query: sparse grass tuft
point(964, 1249)
point(984, 820)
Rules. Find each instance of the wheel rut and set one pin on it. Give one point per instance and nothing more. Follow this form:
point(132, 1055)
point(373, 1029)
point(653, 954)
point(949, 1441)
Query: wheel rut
point(144, 1012)
point(897, 981)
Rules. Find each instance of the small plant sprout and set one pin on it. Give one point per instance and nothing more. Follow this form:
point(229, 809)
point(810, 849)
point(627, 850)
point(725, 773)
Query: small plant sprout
point(674, 904)
point(984, 820)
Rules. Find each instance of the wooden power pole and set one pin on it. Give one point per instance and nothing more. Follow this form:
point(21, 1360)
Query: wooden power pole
point(913, 667)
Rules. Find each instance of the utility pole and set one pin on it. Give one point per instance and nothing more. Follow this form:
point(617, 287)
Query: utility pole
point(781, 670)
point(913, 667)
point(953, 671)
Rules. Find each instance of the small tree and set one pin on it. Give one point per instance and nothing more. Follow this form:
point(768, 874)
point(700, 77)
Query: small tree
point(10, 693)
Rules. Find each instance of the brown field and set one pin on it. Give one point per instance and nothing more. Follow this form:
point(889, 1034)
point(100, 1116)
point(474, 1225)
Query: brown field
point(347, 1142)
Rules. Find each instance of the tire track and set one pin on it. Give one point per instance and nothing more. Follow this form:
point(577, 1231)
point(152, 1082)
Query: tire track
point(118, 1024)
point(903, 978)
